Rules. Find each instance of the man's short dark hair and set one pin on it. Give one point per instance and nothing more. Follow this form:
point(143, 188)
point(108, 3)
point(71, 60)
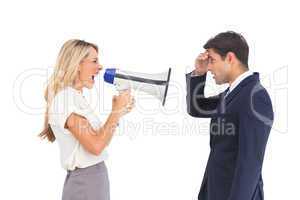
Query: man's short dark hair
point(230, 41)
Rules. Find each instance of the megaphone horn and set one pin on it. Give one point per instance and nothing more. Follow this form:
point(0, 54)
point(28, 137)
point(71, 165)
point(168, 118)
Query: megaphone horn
point(153, 84)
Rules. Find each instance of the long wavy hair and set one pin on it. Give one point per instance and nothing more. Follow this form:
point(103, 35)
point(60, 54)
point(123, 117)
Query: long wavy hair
point(64, 74)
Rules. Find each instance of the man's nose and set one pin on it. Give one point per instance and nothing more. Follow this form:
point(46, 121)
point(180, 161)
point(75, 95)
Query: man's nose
point(208, 67)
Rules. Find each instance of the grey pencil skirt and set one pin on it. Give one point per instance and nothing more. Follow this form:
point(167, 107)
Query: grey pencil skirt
point(89, 183)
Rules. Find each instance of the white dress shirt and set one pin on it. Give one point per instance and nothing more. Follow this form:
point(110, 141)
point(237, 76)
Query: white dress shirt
point(238, 80)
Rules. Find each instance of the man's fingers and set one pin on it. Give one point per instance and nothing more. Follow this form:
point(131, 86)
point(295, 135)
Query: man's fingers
point(202, 57)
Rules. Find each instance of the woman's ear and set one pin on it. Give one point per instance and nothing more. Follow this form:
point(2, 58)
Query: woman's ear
point(78, 73)
point(79, 68)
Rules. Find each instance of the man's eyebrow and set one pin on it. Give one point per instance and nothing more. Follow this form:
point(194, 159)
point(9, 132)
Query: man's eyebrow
point(209, 56)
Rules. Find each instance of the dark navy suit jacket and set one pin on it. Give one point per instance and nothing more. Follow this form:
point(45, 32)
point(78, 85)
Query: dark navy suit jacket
point(239, 130)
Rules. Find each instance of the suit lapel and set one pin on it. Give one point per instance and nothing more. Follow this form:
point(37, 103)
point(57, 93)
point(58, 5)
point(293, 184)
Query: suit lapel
point(240, 86)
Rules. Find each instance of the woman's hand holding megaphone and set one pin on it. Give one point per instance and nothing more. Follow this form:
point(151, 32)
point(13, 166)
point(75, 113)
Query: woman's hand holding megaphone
point(123, 103)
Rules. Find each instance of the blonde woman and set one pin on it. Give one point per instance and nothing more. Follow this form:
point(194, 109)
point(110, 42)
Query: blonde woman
point(70, 120)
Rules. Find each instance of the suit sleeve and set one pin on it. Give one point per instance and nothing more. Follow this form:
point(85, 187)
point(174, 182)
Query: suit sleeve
point(197, 104)
point(254, 128)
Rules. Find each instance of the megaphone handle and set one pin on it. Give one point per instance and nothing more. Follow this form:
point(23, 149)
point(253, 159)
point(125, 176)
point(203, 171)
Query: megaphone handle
point(121, 88)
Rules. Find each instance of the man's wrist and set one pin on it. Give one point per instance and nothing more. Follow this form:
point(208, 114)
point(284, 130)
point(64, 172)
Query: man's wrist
point(197, 73)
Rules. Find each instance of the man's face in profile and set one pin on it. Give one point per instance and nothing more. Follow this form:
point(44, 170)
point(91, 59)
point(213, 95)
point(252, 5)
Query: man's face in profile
point(217, 66)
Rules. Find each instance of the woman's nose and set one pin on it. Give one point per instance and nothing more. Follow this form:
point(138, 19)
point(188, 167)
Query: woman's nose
point(100, 67)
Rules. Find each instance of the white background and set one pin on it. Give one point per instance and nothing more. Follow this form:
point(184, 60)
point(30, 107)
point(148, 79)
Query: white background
point(158, 152)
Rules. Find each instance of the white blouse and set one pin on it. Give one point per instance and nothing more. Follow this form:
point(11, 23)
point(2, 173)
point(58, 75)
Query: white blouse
point(72, 153)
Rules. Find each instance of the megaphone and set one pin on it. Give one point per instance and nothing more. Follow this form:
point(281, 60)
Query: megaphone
point(153, 84)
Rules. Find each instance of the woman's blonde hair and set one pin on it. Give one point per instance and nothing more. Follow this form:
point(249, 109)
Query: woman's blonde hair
point(64, 74)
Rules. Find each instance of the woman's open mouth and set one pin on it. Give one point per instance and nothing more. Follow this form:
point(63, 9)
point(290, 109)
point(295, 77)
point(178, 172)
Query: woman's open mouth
point(93, 76)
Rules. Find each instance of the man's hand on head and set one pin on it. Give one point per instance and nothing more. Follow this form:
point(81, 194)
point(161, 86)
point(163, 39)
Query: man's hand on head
point(201, 63)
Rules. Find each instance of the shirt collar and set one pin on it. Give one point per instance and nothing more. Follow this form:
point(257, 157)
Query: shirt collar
point(239, 79)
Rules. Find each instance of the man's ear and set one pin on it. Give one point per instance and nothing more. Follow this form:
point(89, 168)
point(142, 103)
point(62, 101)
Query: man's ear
point(230, 57)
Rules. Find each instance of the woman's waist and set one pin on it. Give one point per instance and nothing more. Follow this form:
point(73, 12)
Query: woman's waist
point(93, 169)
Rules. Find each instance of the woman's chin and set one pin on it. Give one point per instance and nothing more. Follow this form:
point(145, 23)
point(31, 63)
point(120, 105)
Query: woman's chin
point(89, 85)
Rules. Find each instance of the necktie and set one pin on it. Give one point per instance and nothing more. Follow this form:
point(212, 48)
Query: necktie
point(226, 93)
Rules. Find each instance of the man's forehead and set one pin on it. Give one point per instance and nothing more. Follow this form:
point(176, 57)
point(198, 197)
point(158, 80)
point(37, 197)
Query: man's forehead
point(211, 53)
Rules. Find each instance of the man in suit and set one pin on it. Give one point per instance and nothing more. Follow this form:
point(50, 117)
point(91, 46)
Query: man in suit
point(241, 119)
